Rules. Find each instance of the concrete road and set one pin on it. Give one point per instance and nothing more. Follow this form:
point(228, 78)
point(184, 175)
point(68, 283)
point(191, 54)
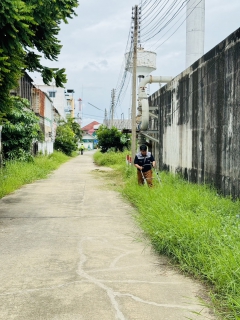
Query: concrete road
point(68, 252)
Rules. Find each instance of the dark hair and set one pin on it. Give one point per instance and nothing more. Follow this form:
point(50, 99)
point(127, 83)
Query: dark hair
point(143, 147)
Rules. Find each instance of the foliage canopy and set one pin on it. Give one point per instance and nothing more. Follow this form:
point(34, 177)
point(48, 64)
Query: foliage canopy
point(27, 27)
point(68, 135)
point(111, 139)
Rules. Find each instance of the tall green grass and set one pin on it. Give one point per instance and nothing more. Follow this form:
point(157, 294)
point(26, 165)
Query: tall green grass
point(16, 174)
point(112, 159)
point(196, 227)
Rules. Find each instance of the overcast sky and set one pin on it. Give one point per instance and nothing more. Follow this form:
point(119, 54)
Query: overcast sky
point(94, 44)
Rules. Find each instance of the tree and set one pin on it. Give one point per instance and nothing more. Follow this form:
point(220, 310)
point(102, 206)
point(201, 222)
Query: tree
point(19, 131)
point(27, 27)
point(111, 138)
point(68, 135)
point(75, 128)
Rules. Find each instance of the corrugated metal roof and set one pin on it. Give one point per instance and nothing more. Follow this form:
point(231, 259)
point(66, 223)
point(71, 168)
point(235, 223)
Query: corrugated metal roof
point(119, 123)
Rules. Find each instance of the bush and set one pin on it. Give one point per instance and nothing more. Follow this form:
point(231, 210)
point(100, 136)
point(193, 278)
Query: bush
point(65, 139)
point(111, 139)
point(19, 131)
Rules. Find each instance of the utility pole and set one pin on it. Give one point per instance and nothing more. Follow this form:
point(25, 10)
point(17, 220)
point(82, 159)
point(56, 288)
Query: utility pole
point(112, 106)
point(134, 80)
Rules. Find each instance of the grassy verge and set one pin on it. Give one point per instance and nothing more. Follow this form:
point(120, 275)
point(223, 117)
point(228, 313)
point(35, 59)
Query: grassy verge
point(198, 229)
point(16, 174)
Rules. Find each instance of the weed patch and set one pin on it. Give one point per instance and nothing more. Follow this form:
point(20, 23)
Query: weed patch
point(16, 173)
point(198, 229)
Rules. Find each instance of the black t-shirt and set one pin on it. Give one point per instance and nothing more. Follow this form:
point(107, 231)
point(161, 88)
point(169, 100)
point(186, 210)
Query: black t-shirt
point(144, 162)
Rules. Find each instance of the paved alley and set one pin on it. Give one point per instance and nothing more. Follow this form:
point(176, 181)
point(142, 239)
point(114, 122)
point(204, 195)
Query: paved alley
point(69, 252)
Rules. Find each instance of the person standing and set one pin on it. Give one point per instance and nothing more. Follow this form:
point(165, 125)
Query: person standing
point(82, 148)
point(144, 161)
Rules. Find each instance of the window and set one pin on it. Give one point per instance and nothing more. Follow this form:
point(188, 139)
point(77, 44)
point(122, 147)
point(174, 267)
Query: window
point(52, 94)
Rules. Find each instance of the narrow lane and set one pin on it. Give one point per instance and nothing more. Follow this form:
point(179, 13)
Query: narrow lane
point(68, 251)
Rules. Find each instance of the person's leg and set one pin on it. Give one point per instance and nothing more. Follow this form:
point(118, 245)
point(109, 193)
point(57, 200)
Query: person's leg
point(148, 176)
point(139, 177)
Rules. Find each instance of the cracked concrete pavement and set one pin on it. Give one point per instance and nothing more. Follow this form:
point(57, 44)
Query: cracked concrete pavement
point(68, 251)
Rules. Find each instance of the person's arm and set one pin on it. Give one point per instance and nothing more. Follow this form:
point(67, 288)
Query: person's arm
point(138, 166)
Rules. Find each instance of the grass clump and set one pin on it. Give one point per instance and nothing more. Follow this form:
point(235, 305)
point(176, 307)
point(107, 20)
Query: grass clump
point(111, 159)
point(16, 173)
point(198, 229)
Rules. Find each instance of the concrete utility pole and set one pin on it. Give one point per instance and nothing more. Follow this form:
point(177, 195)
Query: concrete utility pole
point(134, 80)
point(112, 106)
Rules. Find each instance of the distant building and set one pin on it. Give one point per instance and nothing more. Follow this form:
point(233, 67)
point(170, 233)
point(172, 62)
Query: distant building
point(89, 138)
point(57, 95)
point(42, 105)
point(88, 141)
point(91, 127)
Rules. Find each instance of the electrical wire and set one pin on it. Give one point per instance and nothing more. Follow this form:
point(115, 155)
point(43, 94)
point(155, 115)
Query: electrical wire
point(86, 114)
point(157, 1)
point(152, 47)
point(161, 18)
point(166, 24)
point(149, 21)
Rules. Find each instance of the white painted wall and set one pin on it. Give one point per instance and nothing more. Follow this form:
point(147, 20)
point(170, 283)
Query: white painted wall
point(45, 147)
point(48, 119)
point(177, 139)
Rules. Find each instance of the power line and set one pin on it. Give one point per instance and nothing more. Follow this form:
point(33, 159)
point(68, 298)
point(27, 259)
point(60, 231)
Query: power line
point(166, 24)
point(95, 106)
point(151, 20)
point(86, 114)
point(155, 48)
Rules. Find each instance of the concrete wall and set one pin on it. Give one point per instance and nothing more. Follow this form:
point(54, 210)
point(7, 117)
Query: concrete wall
point(199, 119)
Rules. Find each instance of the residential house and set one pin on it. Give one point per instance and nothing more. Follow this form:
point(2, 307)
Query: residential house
point(48, 115)
point(89, 128)
point(88, 141)
point(56, 94)
point(90, 134)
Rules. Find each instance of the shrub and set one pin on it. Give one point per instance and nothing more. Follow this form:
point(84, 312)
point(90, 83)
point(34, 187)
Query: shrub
point(111, 139)
point(19, 131)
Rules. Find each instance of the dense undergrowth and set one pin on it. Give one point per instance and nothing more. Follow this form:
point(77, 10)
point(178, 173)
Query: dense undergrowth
point(192, 224)
point(17, 173)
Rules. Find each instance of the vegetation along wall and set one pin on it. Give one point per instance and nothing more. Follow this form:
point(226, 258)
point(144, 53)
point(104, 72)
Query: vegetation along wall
point(198, 124)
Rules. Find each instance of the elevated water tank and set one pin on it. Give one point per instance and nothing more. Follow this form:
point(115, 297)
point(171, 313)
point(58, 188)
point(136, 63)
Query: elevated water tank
point(146, 62)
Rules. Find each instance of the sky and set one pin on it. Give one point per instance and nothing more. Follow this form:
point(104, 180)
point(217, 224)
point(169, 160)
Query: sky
point(94, 44)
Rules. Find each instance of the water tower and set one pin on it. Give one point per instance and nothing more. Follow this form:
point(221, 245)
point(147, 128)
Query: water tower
point(146, 62)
